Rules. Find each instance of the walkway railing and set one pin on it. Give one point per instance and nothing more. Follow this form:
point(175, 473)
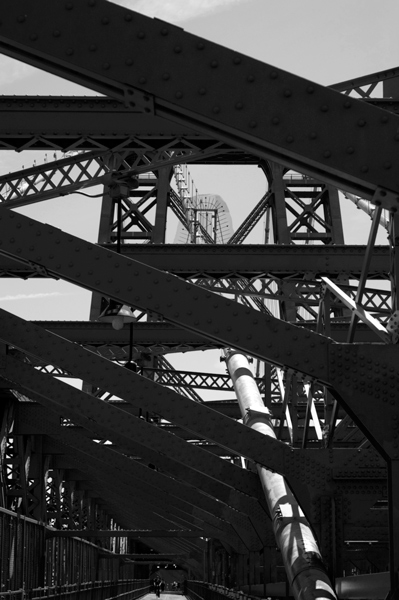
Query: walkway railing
point(199, 590)
point(93, 590)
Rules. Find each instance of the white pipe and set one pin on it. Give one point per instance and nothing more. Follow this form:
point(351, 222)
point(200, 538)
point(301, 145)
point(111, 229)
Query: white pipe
point(303, 563)
point(359, 587)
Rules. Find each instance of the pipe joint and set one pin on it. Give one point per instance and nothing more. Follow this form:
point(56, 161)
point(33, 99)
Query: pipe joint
point(305, 562)
point(257, 416)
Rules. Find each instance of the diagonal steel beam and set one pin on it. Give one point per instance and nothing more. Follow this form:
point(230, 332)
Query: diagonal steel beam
point(161, 458)
point(173, 488)
point(192, 416)
point(144, 506)
point(187, 305)
point(91, 412)
point(265, 110)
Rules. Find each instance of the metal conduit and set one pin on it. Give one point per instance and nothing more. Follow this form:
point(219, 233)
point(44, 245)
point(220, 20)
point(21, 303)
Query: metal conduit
point(303, 563)
point(373, 586)
point(366, 207)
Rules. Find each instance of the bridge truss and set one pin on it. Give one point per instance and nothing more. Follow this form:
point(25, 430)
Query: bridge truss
point(138, 459)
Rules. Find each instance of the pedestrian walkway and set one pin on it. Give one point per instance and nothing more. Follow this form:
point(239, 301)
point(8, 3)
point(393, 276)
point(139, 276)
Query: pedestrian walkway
point(164, 596)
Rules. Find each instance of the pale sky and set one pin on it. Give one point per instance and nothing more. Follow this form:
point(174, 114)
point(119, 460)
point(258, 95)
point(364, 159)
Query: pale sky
point(323, 41)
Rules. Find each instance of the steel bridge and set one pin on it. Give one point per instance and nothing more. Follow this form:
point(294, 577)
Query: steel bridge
point(138, 468)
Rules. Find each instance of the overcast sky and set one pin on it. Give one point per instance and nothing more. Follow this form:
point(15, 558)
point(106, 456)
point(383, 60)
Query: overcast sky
point(323, 41)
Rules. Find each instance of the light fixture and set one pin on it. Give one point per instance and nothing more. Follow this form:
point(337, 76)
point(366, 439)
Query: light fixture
point(115, 313)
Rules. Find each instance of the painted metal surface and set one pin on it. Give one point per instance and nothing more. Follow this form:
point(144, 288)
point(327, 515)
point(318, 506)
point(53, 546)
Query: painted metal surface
point(301, 122)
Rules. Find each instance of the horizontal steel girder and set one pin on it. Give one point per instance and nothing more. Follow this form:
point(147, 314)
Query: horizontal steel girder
point(99, 124)
point(103, 458)
point(153, 397)
point(254, 106)
point(184, 304)
point(84, 450)
point(146, 506)
point(118, 424)
point(70, 123)
point(238, 260)
point(163, 336)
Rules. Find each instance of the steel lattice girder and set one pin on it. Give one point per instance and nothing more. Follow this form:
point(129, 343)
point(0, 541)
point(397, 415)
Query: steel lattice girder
point(32, 419)
point(195, 417)
point(258, 108)
point(144, 501)
point(83, 449)
point(90, 266)
point(135, 284)
point(87, 455)
point(63, 177)
point(95, 414)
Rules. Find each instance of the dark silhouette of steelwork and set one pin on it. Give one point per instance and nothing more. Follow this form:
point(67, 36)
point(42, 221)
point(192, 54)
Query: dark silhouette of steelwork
point(138, 462)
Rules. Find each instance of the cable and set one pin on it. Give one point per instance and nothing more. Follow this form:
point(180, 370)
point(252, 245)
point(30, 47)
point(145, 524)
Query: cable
point(88, 195)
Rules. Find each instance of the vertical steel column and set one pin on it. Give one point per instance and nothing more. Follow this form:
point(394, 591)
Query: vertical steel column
point(163, 186)
point(393, 491)
point(305, 570)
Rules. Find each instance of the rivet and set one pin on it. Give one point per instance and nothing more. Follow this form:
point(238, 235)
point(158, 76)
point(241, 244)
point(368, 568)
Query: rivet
point(142, 80)
point(384, 119)
point(239, 105)
point(287, 93)
point(141, 35)
point(273, 74)
point(290, 139)
point(33, 36)
point(387, 165)
point(361, 122)
point(214, 64)
point(324, 108)
point(129, 62)
point(21, 19)
point(275, 120)
point(350, 150)
point(236, 60)
point(56, 33)
point(164, 31)
point(327, 154)
point(216, 109)
point(347, 104)
point(128, 17)
point(364, 169)
point(106, 66)
point(252, 124)
point(69, 6)
point(69, 51)
point(166, 76)
point(177, 49)
point(105, 20)
point(250, 78)
point(92, 47)
point(179, 94)
point(310, 89)
point(312, 135)
point(202, 91)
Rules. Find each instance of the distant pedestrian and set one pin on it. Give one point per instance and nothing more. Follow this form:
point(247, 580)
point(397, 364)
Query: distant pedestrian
point(158, 586)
